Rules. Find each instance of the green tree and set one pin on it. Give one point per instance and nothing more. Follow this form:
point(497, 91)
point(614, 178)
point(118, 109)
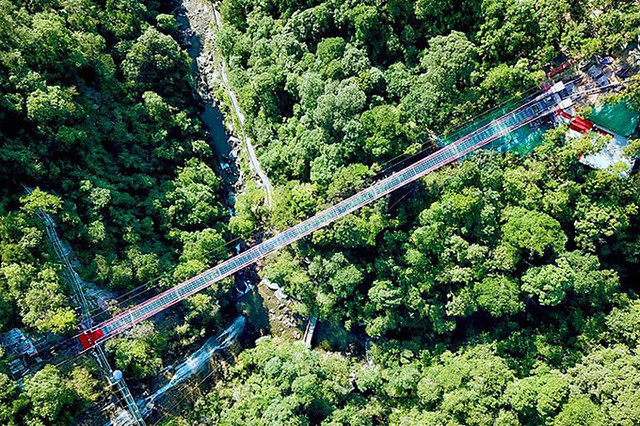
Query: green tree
point(533, 232)
point(498, 296)
point(280, 382)
point(156, 62)
point(580, 411)
point(49, 397)
point(138, 355)
point(8, 394)
point(53, 105)
point(39, 200)
point(193, 198)
point(45, 305)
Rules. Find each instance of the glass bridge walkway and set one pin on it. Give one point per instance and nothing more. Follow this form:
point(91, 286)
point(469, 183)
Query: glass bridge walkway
point(540, 106)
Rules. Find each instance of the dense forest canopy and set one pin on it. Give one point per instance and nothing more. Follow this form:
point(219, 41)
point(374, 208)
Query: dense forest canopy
point(497, 291)
point(98, 105)
point(334, 91)
point(500, 291)
point(97, 109)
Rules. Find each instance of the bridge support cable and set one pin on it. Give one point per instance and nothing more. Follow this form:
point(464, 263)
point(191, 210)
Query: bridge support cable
point(544, 105)
point(76, 284)
point(132, 408)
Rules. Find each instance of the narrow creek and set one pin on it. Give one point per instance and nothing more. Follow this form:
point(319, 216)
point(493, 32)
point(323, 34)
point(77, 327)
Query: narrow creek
point(228, 169)
point(195, 19)
point(202, 21)
point(210, 114)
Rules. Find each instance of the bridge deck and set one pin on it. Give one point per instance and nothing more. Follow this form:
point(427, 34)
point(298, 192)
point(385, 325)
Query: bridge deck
point(540, 106)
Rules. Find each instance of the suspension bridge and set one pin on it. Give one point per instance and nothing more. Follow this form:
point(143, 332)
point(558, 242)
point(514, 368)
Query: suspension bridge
point(543, 105)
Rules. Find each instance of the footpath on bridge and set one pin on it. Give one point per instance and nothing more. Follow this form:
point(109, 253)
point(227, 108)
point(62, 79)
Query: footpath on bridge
point(543, 105)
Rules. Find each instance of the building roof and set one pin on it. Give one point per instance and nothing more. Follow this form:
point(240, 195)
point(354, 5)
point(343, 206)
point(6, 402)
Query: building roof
point(611, 154)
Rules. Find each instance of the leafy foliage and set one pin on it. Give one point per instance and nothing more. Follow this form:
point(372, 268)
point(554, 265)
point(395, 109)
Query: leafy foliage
point(98, 114)
point(498, 291)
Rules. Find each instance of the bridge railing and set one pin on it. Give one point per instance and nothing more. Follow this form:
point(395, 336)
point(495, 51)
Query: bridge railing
point(458, 149)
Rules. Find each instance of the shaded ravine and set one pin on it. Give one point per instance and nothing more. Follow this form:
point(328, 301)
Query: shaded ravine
point(226, 154)
point(210, 114)
point(200, 16)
